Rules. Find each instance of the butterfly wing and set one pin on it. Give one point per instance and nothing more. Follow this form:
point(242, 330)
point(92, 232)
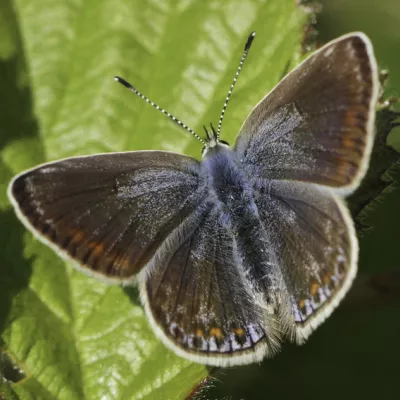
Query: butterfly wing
point(317, 124)
point(109, 212)
point(315, 246)
point(199, 301)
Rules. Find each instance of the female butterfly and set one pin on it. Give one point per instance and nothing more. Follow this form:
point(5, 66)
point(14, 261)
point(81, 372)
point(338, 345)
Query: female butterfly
point(249, 246)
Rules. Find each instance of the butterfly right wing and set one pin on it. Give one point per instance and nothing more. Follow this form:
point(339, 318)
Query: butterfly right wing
point(317, 124)
point(109, 213)
point(198, 298)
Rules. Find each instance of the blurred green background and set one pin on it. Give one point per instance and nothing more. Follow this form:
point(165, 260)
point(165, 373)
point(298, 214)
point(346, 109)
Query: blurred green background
point(77, 338)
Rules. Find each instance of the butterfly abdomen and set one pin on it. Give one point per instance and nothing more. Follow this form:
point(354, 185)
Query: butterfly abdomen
point(233, 195)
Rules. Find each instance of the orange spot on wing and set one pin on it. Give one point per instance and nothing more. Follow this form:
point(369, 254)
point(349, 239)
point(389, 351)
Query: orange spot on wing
point(302, 304)
point(314, 288)
point(77, 236)
point(326, 278)
point(356, 117)
point(200, 332)
point(216, 332)
point(239, 331)
point(97, 248)
point(120, 262)
point(347, 142)
point(344, 172)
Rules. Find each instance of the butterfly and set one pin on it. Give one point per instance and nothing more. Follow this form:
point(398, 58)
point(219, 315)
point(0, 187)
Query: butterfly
point(248, 247)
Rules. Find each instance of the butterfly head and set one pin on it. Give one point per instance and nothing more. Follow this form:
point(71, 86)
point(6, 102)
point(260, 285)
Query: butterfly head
point(212, 140)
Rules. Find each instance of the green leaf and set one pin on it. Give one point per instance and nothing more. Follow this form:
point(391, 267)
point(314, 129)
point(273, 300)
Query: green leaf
point(75, 337)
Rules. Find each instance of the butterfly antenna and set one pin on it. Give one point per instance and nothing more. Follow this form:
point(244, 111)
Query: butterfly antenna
point(244, 55)
point(176, 120)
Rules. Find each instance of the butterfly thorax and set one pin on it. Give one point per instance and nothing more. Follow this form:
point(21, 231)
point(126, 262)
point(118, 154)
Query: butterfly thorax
point(226, 182)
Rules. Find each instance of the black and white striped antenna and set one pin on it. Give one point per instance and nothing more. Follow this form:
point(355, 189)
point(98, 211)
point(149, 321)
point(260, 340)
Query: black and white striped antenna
point(178, 121)
point(147, 100)
point(239, 69)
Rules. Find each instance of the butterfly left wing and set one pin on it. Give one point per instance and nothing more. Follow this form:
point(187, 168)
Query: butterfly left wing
point(315, 246)
point(108, 213)
point(317, 124)
point(199, 301)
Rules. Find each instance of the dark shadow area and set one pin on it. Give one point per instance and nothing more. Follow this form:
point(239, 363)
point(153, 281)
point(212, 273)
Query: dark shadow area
point(16, 111)
point(383, 157)
point(354, 354)
point(17, 122)
point(15, 270)
point(133, 293)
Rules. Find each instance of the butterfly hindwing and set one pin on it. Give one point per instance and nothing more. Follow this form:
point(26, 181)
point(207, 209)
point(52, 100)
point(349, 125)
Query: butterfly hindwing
point(317, 124)
point(313, 238)
point(198, 298)
point(108, 212)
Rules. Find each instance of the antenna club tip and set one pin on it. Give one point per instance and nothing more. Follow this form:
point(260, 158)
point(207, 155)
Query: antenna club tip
point(249, 41)
point(123, 82)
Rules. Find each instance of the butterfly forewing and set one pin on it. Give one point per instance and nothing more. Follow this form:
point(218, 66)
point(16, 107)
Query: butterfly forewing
point(317, 124)
point(108, 212)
